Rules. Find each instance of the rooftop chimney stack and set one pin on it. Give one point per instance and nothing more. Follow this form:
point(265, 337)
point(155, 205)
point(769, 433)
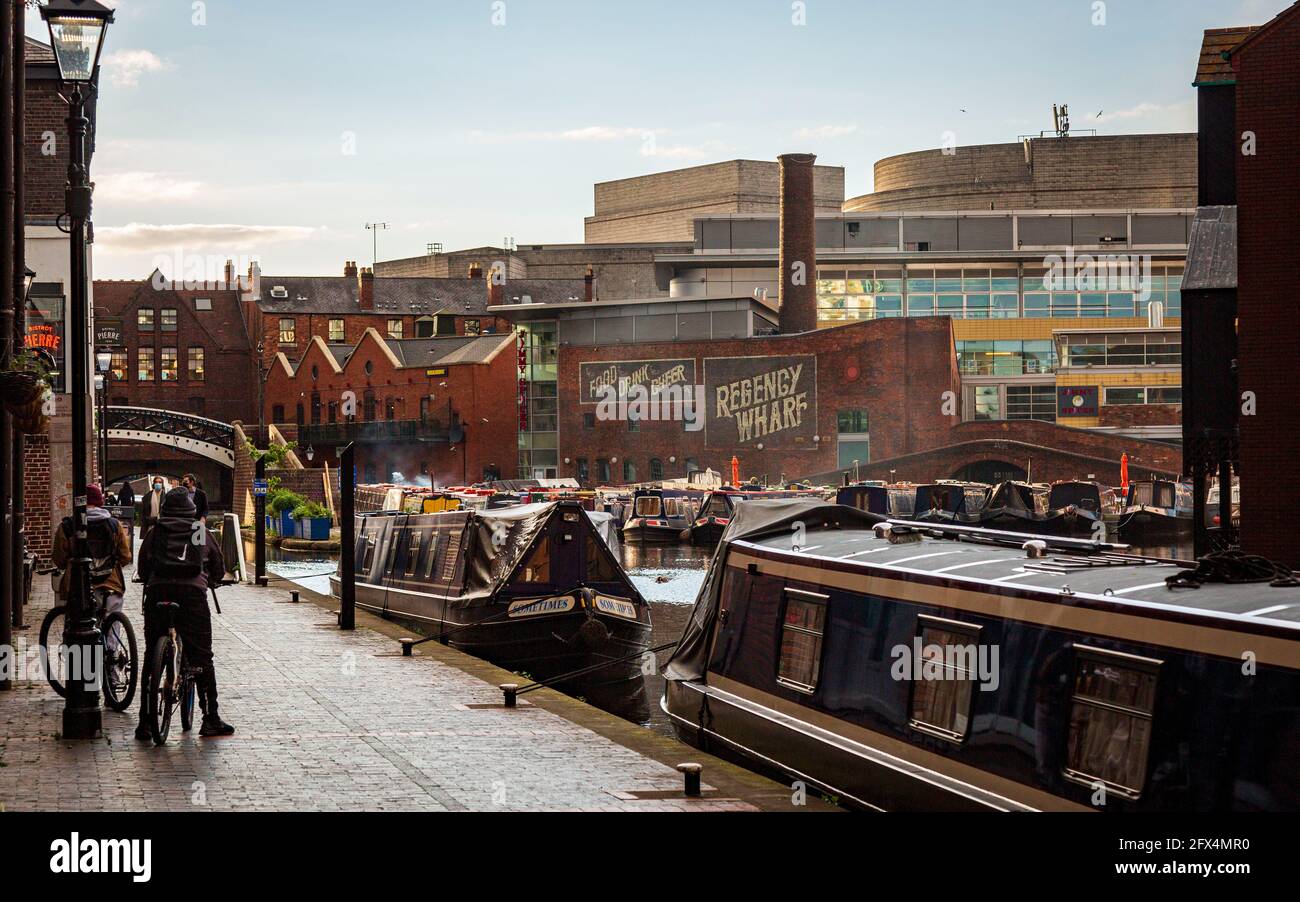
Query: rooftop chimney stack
point(366, 285)
point(798, 254)
point(476, 270)
point(230, 274)
point(589, 285)
point(350, 269)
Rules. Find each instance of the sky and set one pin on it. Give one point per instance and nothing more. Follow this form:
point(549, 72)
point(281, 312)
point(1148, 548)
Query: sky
point(278, 130)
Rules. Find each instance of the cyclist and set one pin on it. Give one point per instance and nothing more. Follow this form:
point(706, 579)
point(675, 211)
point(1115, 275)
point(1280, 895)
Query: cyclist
point(108, 548)
point(179, 560)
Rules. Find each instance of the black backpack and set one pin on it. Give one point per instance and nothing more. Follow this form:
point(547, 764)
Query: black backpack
point(174, 554)
point(101, 544)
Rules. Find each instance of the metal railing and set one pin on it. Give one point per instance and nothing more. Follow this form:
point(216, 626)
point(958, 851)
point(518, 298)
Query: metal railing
point(170, 423)
point(326, 434)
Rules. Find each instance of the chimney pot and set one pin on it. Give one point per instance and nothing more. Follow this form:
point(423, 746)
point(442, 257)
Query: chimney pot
point(366, 288)
point(798, 253)
point(350, 269)
point(230, 273)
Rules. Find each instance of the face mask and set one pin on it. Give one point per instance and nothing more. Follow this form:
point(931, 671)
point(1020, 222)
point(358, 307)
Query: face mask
point(157, 486)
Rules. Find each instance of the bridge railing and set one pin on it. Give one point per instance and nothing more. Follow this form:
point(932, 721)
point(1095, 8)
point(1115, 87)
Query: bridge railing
point(169, 422)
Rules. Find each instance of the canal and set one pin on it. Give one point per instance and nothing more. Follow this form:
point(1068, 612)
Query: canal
point(669, 577)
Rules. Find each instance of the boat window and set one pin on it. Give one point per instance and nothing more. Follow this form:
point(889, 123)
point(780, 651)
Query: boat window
point(431, 558)
point(941, 697)
point(391, 556)
point(367, 555)
point(600, 567)
point(801, 639)
point(648, 506)
point(537, 569)
point(413, 553)
point(1110, 719)
point(717, 507)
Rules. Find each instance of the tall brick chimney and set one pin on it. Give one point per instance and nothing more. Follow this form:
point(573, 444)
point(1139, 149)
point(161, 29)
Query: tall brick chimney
point(476, 270)
point(350, 269)
point(798, 255)
point(366, 286)
point(589, 286)
point(230, 274)
point(496, 293)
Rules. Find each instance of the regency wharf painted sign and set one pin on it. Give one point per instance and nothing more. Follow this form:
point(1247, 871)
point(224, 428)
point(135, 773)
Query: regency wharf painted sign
point(770, 401)
point(624, 375)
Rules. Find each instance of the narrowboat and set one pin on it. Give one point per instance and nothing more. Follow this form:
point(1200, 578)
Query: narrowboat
point(1156, 510)
point(1076, 507)
point(658, 516)
point(905, 666)
point(878, 498)
point(534, 588)
point(1013, 506)
point(949, 502)
point(719, 506)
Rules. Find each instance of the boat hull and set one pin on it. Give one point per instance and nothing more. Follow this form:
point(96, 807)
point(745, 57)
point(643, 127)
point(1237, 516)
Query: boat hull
point(643, 533)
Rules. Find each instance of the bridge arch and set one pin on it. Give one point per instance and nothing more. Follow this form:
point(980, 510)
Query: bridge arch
point(210, 439)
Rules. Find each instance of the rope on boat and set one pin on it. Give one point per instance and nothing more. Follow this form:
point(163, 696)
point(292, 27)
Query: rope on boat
point(1234, 567)
point(592, 667)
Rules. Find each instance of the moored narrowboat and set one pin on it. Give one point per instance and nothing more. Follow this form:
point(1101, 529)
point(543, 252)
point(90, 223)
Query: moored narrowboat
point(878, 498)
point(719, 506)
point(1156, 510)
point(949, 502)
point(534, 588)
point(1077, 507)
point(907, 666)
point(659, 516)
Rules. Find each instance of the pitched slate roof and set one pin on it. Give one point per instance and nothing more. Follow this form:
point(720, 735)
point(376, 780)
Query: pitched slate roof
point(1214, 68)
point(421, 352)
point(402, 295)
point(36, 52)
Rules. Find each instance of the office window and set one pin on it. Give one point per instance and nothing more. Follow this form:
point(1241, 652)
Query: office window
point(168, 366)
point(144, 365)
point(988, 402)
point(195, 366)
point(336, 330)
point(1122, 397)
point(203, 303)
point(168, 319)
point(802, 628)
point(144, 319)
point(288, 330)
point(1110, 719)
point(920, 305)
point(395, 328)
point(1031, 402)
point(1159, 394)
point(117, 369)
point(943, 706)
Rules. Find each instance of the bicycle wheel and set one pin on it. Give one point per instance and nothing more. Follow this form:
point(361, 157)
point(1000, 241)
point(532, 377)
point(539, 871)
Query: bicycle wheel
point(162, 690)
point(54, 661)
point(121, 666)
point(187, 698)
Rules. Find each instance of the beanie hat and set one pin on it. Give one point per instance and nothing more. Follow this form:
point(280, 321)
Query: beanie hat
point(177, 503)
point(94, 495)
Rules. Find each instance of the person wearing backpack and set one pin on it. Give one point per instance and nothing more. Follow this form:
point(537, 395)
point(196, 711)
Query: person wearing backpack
point(179, 560)
point(108, 549)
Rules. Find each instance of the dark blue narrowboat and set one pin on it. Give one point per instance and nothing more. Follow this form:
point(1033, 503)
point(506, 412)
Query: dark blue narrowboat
point(906, 666)
point(1156, 510)
point(535, 588)
point(659, 516)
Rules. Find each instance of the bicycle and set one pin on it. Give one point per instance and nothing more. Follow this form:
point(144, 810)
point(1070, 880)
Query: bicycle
point(121, 660)
point(173, 683)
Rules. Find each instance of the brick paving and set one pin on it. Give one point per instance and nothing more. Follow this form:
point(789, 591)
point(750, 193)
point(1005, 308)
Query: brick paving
point(329, 721)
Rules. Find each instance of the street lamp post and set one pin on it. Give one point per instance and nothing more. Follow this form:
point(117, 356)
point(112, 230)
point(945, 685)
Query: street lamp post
point(103, 364)
point(77, 35)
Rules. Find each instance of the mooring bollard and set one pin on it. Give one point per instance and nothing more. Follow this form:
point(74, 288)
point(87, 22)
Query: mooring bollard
point(510, 690)
point(293, 595)
point(407, 645)
point(692, 773)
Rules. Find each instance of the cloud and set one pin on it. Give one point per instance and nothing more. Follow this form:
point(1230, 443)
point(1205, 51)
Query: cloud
point(1143, 110)
point(826, 131)
point(587, 133)
point(191, 238)
point(702, 151)
point(145, 187)
point(126, 66)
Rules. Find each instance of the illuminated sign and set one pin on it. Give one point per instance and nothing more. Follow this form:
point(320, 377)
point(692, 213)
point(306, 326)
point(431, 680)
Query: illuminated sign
point(653, 375)
point(1077, 401)
point(770, 401)
point(108, 331)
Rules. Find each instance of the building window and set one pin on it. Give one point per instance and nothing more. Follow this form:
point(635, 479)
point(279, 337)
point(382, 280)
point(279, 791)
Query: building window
point(602, 470)
point(315, 408)
point(988, 402)
point(588, 421)
point(277, 413)
point(582, 472)
point(854, 439)
point(856, 421)
point(337, 332)
point(368, 405)
point(656, 469)
point(144, 364)
point(395, 328)
point(424, 327)
point(802, 627)
point(288, 331)
point(168, 319)
point(692, 466)
point(203, 303)
point(633, 422)
point(195, 366)
point(942, 706)
point(119, 366)
point(334, 411)
point(168, 366)
point(300, 416)
point(629, 471)
point(1031, 402)
point(473, 327)
point(1110, 719)
point(1156, 394)
point(144, 319)
point(390, 409)
point(446, 324)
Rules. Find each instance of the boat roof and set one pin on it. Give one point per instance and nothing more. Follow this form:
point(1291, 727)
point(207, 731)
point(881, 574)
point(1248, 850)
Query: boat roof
point(1107, 572)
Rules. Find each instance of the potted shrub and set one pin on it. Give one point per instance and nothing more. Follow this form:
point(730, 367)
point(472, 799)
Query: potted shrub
point(313, 521)
point(280, 505)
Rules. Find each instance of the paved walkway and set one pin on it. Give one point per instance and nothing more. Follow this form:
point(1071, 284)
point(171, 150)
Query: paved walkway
point(329, 721)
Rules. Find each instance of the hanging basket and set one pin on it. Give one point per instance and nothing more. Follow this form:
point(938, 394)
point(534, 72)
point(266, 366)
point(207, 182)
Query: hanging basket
point(30, 418)
point(19, 388)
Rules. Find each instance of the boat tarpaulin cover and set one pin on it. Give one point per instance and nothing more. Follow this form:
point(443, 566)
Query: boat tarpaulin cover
point(753, 520)
point(1012, 497)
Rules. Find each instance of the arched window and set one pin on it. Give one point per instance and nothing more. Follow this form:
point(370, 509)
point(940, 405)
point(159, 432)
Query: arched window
point(629, 471)
point(656, 469)
point(315, 408)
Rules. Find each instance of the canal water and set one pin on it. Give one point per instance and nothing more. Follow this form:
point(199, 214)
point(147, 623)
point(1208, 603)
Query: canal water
point(668, 577)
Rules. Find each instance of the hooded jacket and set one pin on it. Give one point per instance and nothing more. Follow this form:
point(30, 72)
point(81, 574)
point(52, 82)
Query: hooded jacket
point(178, 516)
point(62, 551)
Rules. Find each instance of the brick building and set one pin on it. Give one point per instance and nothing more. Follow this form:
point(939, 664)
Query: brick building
point(1267, 68)
point(438, 410)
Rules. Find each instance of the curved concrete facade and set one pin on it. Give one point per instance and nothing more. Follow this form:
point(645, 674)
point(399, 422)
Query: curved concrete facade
point(1113, 171)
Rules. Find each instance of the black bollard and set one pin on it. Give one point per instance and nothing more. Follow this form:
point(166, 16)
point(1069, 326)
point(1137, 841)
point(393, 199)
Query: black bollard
point(691, 772)
point(407, 645)
point(293, 595)
point(511, 691)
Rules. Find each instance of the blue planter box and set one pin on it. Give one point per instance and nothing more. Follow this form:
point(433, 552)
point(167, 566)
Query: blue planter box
point(315, 529)
point(288, 526)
